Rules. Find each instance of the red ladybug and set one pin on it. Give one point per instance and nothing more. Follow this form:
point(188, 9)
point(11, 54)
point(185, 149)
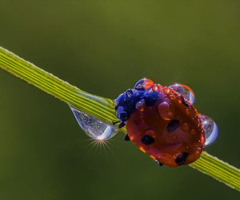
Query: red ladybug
point(163, 123)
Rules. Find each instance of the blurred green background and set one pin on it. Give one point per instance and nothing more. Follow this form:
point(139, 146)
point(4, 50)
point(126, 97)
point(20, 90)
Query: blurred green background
point(104, 47)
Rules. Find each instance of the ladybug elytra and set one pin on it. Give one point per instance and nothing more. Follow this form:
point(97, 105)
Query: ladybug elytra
point(163, 123)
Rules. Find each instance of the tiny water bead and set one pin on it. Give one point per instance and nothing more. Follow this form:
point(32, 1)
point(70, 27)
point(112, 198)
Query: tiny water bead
point(210, 129)
point(140, 105)
point(173, 125)
point(93, 127)
point(185, 91)
point(165, 111)
point(143, 84)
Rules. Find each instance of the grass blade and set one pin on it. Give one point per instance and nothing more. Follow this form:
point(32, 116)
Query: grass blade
point(218, 169)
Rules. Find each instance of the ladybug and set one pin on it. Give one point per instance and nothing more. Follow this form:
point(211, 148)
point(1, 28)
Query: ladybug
point(163, 123)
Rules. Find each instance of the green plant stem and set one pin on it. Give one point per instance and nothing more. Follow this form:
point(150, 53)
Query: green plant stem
point(218, 169)
point(103, 109)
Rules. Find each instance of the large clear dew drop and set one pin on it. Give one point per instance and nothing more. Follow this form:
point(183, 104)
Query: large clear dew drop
point(93, 127)
point(210, 129)
point(185, 91)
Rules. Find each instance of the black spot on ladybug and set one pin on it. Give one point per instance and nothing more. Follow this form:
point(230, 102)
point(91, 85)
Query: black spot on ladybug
point(147, 139)
point(173, 125)
point(181, 158)
point(184, 102)
point(126, 138)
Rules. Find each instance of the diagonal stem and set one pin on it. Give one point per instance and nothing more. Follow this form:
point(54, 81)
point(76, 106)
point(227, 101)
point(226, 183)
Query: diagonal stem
point(101, 108)
point(218, 169)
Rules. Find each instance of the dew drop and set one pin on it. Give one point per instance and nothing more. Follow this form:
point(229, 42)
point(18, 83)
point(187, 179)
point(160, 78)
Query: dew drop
point(185, 127)
point(185, 91)
point(93, 127)
point(143, 84)
point(140, 105)
point(155, 88)
point(193, 132)
point(129, 93)
point(140, 84)
point(165, 111)
point(210, 129)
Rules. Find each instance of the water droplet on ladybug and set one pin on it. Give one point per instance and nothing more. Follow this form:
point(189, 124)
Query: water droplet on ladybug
point(193, 132)
point(185, 127)
point(129, 93)
point(210, 129)
point(143, 84)
point(166, 90)
point(164, 111)
point(93, 127)
point(140, 105)
point(155, 88)
point(185, 91)
point(139, 84)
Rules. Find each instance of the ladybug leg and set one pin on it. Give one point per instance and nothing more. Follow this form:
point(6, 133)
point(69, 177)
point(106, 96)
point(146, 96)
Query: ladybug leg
point(122, 124)
point(116, 122)
point(126, 138)
point(159, 163)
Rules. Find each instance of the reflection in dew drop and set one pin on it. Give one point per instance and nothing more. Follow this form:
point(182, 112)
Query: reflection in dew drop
point(93, 127)
point(185, 91)
point(210, 129)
